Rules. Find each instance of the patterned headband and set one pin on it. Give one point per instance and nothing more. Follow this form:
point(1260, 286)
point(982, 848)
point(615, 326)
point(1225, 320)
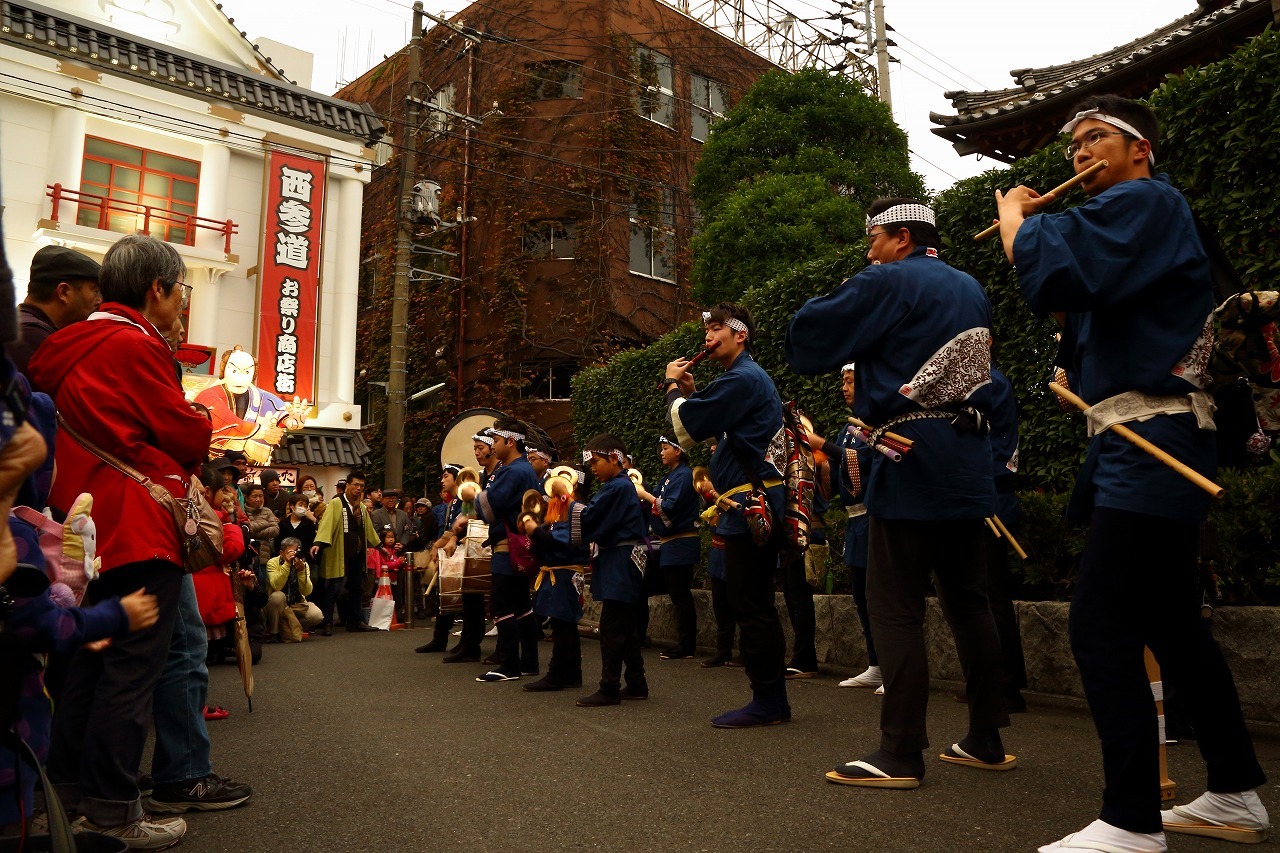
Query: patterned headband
point(733, 323)
point(1111, 120)
point(662, 439)
point(902, 213)
point(483, 439)
point(616, 455)
point(541, 454)
point(507, 434)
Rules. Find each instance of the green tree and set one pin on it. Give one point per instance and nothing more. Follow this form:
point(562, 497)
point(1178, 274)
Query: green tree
point(786, 178)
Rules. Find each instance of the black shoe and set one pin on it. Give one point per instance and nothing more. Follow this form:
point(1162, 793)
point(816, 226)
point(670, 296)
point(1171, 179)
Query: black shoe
point(492, 660)
point(460, 655)
point(326, 631)
point(634, 693)
point(543, 685)
point(715, 662)
point(676, 654)
point(211, 793)
point(433, 646)
point(599, 700)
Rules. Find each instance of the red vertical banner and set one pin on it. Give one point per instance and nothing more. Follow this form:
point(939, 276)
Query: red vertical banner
point(289, 275)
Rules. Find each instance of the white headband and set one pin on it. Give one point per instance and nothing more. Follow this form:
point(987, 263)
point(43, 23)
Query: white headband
point(1111, 120)
point(902, 213)
point(615, 455)
point(662, 439)
point(733, 323)
point(849, 368)
point(483, 439)
point(502, 433)
point(541, 454)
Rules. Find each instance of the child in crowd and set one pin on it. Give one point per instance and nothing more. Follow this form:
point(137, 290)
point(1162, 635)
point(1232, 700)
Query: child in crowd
point(558, 587)
point(385, 562)
point(616, 524)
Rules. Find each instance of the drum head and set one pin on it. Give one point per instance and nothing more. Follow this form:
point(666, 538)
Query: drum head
point(455, 439)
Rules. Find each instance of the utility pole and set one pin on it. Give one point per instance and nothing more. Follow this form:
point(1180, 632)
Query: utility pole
point(882, 56)
point(397, 405)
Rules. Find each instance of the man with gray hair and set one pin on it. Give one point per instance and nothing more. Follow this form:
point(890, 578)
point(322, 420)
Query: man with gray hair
point(101, 723)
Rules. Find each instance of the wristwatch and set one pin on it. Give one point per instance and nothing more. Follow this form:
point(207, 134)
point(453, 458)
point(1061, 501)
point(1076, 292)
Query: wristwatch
point(668, 382)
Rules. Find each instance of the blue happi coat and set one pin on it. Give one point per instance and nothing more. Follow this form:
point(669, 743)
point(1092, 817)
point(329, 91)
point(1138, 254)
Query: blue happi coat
point(1004, 446)
point(499, 505)
point(559, 591)
point(615, 524)
point(1129, 270)
point(850, 464)
point(741, 409)
point(675, 514)
point(920, 334)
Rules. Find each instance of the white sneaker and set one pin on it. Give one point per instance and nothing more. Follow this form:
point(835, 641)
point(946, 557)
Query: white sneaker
point(880, 690)
point(1237, 817)
point(1100, 835)
point(145, 833)
point(870, 678)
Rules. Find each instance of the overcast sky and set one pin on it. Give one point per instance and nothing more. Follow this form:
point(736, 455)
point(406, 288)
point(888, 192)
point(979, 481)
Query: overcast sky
point(942, 45)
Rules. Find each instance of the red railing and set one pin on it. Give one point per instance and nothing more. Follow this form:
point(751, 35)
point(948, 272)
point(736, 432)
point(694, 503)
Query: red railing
point(148, 214)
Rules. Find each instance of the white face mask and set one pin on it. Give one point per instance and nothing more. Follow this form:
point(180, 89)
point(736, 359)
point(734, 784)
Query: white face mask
point(311, 493)
point(299, 511)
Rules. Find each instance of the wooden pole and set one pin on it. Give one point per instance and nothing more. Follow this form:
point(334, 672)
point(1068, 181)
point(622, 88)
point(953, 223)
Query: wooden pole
point(1168, 788)
point(1124, 432)
point(1012, 542)
point(903, 440)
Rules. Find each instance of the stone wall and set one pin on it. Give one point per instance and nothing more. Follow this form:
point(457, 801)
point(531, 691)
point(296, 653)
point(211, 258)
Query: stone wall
point(1249, 637)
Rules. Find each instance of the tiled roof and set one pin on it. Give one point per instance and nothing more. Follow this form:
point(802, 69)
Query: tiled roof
point(51, 32)
point(1009, 123)
point(342, 448)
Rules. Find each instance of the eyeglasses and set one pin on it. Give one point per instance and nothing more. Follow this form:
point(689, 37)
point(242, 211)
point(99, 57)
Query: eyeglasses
point(872, 235)
point(1089, 140)
point(186, 294)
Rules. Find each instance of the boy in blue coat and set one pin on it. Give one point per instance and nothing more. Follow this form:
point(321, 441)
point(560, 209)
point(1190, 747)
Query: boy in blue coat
point(615, 524)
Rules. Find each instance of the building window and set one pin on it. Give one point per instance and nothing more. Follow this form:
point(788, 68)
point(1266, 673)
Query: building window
point(557, 78)
point(550, 240)
point(134, 179)
point(655, 92)
point(708, 106)
point(547, 380)
point(653, 237)
point(439, 119)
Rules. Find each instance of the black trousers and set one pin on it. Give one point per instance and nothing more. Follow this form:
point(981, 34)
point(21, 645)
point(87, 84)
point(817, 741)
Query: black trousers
point(751, 572)
point(565, 667)
point(726, 627)
point(901, 555)
point(680, 588)
point(798, 595)
point(472, 624)
point(620, 648)
point(352, 611)
point(858, 574)
point(1139, 586)
point(104, 717)
point(1006, 618)
point(518, 634)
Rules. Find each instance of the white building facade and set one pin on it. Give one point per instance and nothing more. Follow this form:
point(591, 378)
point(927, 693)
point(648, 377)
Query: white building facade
point(119, 116)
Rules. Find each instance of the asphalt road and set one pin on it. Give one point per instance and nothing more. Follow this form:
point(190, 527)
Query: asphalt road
point(357, 743)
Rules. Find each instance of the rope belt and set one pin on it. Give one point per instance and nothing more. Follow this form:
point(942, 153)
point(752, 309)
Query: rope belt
point(1136, 406)
point(551, 570)
point(502, 547)
point(665, 539)
point(878, 433)
point(857, 510)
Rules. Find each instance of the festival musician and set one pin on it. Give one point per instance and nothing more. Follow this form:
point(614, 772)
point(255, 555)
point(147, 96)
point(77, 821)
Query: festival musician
point(499, 505)
point(1129, 271)
point(468, 648)
point(673, 521)
point(742, 405)
point(850, 459)
point(446, 513)
point(920, 334)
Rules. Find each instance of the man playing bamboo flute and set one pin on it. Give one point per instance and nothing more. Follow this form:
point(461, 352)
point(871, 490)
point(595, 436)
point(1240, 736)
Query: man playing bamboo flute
point(1130, 273)
point(920, 334)
point(740, 410)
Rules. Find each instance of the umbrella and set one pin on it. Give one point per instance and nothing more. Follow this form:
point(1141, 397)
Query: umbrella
point(244, 655)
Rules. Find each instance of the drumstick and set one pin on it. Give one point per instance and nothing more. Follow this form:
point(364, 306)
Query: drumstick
point(1124, 432)
point(1007, 535)
point(995, 531)
point(906, 442)
point(1061, 188)
point(693, 362)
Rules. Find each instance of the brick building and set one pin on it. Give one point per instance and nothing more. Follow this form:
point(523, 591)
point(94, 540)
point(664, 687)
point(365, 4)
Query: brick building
point(572, 193)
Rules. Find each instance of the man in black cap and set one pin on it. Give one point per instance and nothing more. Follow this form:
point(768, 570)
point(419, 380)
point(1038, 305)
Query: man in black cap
point(63, 290)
